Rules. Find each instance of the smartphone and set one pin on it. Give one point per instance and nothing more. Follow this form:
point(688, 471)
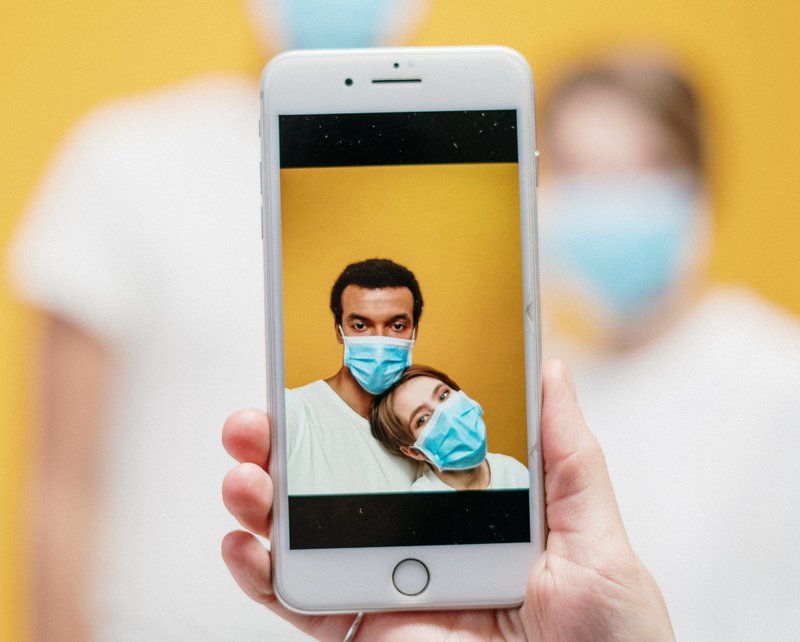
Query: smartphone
point(403, 350)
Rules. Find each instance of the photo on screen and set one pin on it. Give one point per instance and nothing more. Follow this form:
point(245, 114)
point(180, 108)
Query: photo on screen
point(437, 194)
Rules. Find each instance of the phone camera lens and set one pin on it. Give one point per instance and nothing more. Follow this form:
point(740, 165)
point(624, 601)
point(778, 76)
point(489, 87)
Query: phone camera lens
point(396, 65)
point(348, 81)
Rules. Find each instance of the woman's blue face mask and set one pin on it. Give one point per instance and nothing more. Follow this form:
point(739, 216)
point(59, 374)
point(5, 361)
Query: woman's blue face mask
point(455, 436)
point(623, 238)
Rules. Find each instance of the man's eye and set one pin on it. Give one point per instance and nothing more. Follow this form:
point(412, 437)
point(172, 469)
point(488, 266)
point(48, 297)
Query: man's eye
point(358, 325)
point(399, 327)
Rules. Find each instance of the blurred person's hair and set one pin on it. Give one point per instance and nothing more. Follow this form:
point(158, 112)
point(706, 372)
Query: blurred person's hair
point(656, 86)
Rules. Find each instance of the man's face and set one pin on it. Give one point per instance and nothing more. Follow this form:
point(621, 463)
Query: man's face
point(387, 312)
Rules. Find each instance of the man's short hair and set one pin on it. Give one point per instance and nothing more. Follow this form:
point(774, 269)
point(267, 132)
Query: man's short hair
point(374, 274)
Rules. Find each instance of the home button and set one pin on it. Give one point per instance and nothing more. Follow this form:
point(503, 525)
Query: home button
point(410, 577)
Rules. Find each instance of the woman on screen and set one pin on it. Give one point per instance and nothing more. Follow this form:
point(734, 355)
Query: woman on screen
point(427, 417)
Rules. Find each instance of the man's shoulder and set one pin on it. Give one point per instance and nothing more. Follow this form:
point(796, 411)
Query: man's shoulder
point(195, 109)
point(317, 399)
point(309, 392)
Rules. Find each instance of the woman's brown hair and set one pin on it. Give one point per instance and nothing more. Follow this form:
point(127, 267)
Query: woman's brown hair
point(385, 424)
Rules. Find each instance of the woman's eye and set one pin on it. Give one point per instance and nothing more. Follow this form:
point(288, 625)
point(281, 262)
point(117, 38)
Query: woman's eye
point(421, 421)
point(444, 395)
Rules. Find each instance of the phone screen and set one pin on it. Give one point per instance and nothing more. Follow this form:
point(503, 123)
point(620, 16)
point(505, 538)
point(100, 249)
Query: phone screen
point(436, 193)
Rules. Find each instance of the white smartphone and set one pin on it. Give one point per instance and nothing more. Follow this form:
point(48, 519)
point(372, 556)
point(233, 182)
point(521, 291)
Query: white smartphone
point(399, 190)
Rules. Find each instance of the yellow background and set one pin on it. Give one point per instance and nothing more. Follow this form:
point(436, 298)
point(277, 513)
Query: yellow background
point(61, 58)
point(456, 227)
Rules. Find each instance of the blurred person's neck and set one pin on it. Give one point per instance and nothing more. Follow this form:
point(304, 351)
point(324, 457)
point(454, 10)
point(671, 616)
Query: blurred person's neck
point(583, 338)
point(657, 323)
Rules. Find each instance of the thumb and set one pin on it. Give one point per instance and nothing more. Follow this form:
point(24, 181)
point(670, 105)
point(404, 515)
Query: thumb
point(578, 493)
point(589, 584)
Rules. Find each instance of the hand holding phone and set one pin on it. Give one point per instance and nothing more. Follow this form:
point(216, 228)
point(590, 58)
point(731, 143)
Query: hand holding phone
point(588, 584)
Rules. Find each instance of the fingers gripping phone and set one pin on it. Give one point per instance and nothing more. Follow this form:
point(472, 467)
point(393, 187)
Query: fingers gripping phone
point(402, 327)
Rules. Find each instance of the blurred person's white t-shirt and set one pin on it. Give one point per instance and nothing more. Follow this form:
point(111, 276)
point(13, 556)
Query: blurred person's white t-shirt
point(146, 232)
point(701, 431)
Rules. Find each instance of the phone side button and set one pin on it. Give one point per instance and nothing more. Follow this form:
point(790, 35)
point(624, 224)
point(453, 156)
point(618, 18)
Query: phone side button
point(410, 577)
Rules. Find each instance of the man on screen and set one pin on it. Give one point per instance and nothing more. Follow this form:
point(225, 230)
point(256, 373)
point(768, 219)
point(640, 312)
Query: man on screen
point(376, 306)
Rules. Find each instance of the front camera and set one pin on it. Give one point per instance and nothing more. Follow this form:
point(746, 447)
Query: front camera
point(348, 81)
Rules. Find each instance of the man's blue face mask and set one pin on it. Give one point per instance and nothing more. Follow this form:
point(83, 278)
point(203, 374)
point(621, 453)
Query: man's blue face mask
point(623, 238)
point(455, 436)
point(376, 362)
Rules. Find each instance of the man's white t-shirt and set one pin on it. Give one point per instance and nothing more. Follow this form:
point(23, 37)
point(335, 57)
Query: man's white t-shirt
point(332, 451)
point(506, 473)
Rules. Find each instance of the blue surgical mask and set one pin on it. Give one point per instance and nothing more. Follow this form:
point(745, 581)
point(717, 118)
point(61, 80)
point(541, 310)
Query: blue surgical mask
point(455, 436)
point(624, 238)
point(376, 362)
point(316, 24)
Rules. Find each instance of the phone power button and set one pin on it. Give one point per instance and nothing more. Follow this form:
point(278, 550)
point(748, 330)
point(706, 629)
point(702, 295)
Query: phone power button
point(410, 577)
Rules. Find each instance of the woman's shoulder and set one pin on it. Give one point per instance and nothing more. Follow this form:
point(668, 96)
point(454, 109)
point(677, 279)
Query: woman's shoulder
point(428, 481)
point(507, 472)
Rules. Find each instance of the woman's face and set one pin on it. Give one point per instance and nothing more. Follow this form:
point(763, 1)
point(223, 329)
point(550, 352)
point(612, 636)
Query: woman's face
point(415, 400)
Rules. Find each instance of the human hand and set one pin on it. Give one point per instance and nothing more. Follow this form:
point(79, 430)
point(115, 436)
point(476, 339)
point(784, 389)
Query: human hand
point(587, 585)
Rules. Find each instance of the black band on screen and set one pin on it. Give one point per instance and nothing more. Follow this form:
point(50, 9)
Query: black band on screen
point(409, 519)
point(404, 138)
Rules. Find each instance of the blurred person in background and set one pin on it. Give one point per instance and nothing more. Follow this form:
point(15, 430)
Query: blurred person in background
point(142, 249)
point(691, 387)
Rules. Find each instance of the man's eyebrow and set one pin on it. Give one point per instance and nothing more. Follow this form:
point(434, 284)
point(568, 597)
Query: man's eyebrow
point(404, 316)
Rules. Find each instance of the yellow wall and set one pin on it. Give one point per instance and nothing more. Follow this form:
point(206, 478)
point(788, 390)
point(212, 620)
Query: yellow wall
point(60, 59)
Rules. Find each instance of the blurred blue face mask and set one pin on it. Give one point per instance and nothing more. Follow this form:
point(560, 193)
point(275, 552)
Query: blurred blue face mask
point(455, 436)
point(376, 362)
point(624, 238)
point(316, 24)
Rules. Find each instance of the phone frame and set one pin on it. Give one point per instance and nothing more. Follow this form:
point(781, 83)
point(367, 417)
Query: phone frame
point(313, 82)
